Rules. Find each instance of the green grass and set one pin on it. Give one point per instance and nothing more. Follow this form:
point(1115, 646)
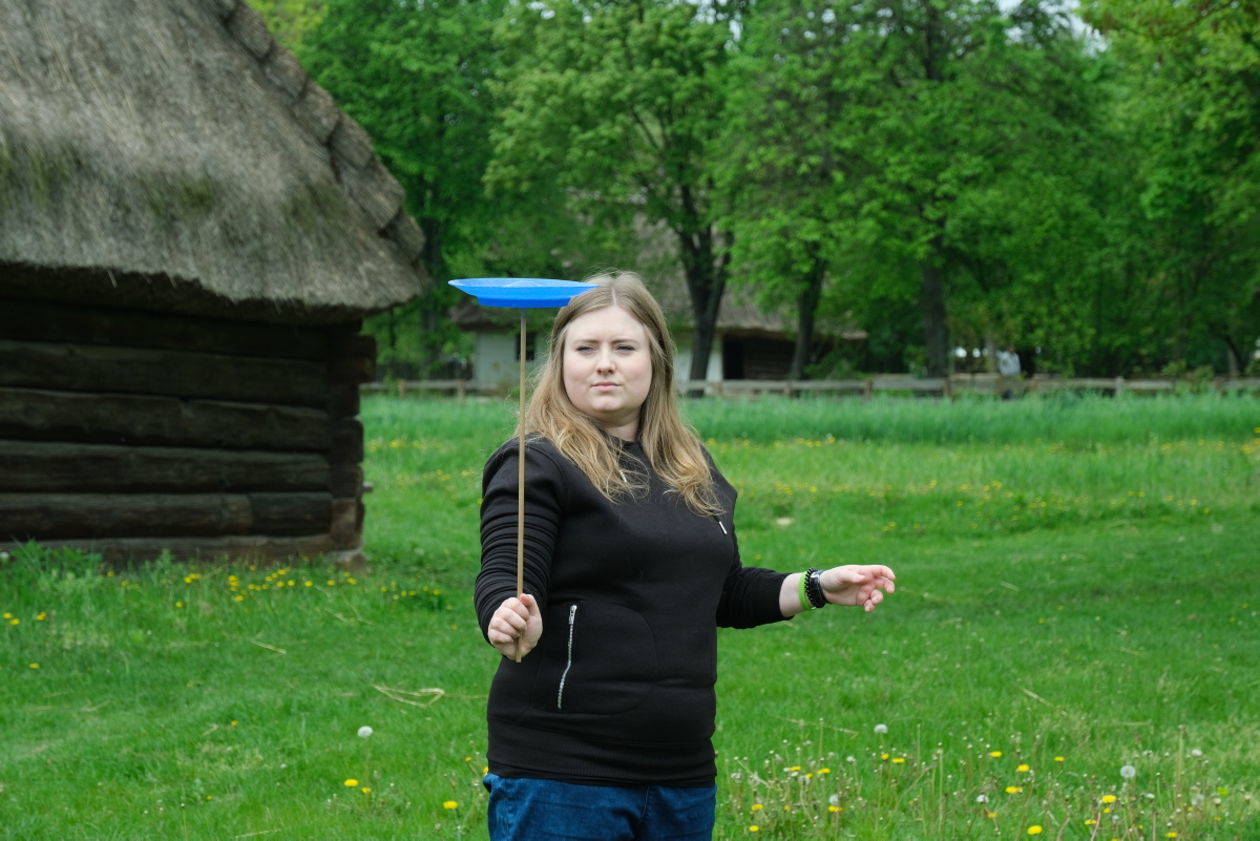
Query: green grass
point(1078, 591)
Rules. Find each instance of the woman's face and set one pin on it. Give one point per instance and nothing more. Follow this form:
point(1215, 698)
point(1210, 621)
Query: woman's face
point(608, 368)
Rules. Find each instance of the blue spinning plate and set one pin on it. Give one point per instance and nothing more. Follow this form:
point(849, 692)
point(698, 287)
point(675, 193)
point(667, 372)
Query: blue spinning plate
point(522, 292)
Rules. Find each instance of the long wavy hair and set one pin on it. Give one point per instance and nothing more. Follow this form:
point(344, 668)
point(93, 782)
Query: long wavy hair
point(672, 448)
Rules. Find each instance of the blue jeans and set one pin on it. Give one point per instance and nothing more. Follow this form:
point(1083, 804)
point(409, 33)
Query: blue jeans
point(545, 810)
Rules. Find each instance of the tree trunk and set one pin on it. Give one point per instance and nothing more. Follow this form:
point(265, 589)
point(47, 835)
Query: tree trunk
point(806, 314)
point(431, 310)
point(935, 328)
point(706, 283)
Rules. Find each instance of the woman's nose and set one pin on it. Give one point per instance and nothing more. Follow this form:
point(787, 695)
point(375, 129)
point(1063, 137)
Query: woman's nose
point(604, 360)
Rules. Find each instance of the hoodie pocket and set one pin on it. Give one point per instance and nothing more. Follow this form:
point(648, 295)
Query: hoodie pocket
point(599, 658)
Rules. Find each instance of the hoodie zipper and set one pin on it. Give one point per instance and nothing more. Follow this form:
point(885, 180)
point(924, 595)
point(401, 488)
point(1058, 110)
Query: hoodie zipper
point(569, 661)
point(721, 526)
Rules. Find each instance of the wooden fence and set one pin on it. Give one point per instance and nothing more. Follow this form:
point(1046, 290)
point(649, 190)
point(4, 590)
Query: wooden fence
point(867, 387)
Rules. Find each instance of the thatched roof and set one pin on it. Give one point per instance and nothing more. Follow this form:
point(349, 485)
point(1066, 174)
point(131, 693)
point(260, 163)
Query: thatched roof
point(171, 154)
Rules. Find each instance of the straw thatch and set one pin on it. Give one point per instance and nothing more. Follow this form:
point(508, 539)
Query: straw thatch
point(170, 154)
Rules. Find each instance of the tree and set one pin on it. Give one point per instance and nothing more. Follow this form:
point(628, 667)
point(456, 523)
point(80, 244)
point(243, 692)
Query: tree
point(290, 20)
point(618, 104)
point(1192, 73)
point(877, 133)
point(415, 76)
point(783, 164)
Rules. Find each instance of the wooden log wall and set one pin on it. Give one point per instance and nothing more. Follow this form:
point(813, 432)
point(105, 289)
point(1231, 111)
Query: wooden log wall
point(129, 433)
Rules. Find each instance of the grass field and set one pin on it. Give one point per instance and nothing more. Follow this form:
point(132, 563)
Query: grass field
point(1072, 651)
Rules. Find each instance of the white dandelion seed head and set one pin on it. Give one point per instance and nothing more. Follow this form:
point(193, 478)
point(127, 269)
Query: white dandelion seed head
point(982, 798)
point(1128, 772)
point(1197, 800)
point(365, 731)
point(1196, 753)
point(881, 729)
point(834, 800)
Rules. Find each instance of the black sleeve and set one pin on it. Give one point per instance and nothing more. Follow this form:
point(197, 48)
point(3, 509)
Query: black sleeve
point(544, 493)
point(750, 595)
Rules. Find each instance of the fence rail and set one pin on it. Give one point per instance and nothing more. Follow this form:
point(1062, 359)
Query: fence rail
point(869, 386)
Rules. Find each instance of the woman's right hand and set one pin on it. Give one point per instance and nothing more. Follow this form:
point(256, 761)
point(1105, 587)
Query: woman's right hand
point(515, 627)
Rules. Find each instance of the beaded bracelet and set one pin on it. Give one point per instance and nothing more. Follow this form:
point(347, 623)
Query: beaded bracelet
point(811, 589)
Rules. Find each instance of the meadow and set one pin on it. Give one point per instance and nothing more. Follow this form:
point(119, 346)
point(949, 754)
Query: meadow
point(1072, 651)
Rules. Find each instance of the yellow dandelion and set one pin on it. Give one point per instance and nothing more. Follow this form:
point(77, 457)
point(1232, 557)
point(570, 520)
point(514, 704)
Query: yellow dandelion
point(754, 828)
point(990, 815)
point(900, 760)
point(757, 807)
point(1090, 822)
point(1059, 759)
point(450, 804)
point(824, 770)
point(885, 756)
point(15, 621)
point(1109, 798)
point(1171, 835)
point(996, 754)
point(1035, 829)
point(351, 783)
point(34, 665)
point(1014, 789)
point(1023, 769)
point(835, 809)
point(366, 790)
point(41, 616)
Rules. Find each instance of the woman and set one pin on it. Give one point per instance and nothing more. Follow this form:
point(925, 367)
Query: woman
point(602, 730)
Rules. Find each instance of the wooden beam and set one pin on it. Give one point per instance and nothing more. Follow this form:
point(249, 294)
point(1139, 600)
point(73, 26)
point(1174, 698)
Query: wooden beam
point(42, 321)
point(27, 516)
point(43, 415)
point(75, 367)
point(50, 467)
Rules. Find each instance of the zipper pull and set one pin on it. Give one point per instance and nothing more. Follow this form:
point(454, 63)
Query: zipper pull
point(722, 527)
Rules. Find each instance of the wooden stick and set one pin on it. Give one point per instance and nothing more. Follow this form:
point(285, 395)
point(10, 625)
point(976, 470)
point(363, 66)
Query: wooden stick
point(520, 480)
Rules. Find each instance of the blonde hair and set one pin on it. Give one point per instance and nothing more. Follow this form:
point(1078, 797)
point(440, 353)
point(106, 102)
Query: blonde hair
point(672, 448)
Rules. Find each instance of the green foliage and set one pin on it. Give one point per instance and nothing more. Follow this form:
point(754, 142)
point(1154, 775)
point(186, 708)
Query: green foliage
point(618, 104)
point(1193, 112)
point(290, 20)
point(939, 174)
point(416, 76)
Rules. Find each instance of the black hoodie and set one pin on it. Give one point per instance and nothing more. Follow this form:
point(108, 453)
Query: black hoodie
point(620, 690)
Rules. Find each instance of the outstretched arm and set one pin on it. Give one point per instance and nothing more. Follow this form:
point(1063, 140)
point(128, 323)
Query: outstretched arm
point(856, 585)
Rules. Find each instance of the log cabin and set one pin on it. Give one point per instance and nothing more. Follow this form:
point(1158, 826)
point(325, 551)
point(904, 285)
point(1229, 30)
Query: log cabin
point(191, 232)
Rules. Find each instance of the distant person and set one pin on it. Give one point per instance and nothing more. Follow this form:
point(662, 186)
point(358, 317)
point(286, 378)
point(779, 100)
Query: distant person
point(1008, 371)
point(603, 729)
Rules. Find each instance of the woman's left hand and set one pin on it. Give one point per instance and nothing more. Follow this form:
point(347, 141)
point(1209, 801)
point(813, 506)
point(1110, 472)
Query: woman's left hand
point(858, 585)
